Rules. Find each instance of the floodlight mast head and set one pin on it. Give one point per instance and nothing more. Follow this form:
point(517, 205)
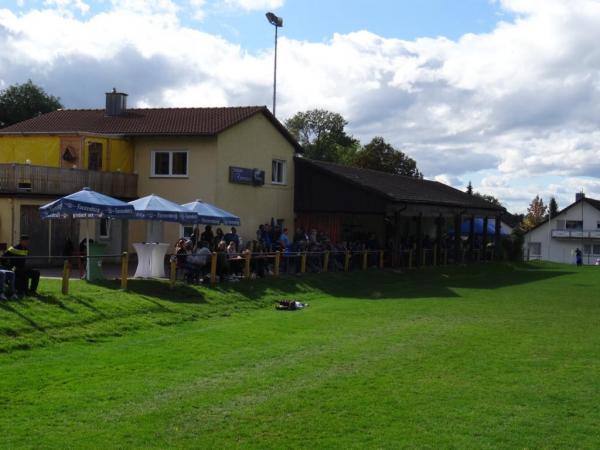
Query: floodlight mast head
point(274, 20)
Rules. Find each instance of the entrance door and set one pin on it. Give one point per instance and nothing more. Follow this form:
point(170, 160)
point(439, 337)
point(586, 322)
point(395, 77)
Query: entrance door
point(95, 156)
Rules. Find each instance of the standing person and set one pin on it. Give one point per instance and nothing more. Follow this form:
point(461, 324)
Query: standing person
point(233, 237)
point(219, 236)
point(16, 257)
point(207, 235)
point(578, 257)
point(284, 240)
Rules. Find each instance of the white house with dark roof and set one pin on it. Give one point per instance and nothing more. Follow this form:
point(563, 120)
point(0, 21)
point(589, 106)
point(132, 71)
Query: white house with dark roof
point(575, 227)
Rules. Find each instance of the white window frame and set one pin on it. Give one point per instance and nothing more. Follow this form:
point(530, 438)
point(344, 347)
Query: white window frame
point(107, 235)
point(182, 230)
point(283, 172)
point(153, 173)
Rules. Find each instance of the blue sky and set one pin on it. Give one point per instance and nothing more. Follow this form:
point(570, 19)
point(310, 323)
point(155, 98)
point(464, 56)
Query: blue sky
point(504, 93)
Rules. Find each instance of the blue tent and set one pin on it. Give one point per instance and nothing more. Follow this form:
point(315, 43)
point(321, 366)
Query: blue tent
point(153, 207)
point(86, 204)
point(478, 228)
point(208, 214)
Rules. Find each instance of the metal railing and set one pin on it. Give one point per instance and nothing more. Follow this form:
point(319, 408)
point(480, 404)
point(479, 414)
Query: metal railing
point(30, 179)
point(576, 234)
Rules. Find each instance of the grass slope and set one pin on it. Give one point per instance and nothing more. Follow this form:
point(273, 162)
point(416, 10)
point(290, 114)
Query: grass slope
point(487, 357)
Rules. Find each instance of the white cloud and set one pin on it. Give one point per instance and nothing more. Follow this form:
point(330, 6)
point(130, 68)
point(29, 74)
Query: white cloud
point(517, 105)
point(253, 5)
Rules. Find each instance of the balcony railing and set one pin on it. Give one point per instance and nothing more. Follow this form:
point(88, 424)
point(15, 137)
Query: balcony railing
point(29, 179)
point(576, 234)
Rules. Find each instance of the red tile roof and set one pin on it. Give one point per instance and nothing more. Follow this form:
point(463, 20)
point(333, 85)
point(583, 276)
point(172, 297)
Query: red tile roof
point(145, 122)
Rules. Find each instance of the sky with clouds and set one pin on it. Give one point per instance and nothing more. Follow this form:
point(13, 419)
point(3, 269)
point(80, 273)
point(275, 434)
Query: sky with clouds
point(503, 93)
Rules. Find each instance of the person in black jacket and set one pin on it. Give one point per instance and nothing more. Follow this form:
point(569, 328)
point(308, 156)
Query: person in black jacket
point(15, 259)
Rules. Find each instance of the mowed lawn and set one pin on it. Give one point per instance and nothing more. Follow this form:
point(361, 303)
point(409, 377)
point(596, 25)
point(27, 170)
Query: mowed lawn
point(490, 356)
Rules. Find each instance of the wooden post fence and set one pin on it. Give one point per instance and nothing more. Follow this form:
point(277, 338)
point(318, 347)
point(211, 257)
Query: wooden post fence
point(347, 261)
point(435, 255)
point(277, 263)
point(65, 277)
point(213, 268)
point(124, 270)
point(247, 257)
point(365, 259)
point(325, 261)
point(173, 272)
point(410, 258)
point(381, 259)
point(303, 262)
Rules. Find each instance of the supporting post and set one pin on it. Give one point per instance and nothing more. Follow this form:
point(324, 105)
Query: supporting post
point(303, 262)
point(381, 259)
point(435, 250)
point(277, 263)
point(445, 256)
point(124, 270)
point(484, 238)
point(457, 234)
point(247, 257)
point(497, 246)
point(325, 261)
point(365, 259)
point(438, 238)
point(173, 272)
point(420, 260)
point(65, 277)
point(213, 268)
point(471, 237)
point(347, 261)
point(410, 258)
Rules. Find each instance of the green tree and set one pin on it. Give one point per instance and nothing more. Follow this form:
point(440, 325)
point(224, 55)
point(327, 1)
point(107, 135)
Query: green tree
point(379, 155)
point(489, 198)
point(470, 188)
point(552, 208)
point(23, 101)
point(323, 136)
point(535, 213)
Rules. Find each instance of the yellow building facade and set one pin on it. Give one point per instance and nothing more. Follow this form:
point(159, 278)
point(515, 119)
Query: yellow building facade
point(38, 165)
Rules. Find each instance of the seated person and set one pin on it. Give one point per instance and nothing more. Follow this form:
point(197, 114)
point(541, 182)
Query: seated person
point(197, 261)
point(15, 257)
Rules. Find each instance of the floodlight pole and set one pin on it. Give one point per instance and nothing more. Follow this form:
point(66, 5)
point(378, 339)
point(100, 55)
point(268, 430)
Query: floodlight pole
point(277, 22)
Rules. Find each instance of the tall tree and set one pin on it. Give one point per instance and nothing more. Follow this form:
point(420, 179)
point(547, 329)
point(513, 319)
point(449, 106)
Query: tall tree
point(552, 207)
point(489, 198)
point(23, 101)
point(535, 213)
point(323, 136)
point(379, 155)
point(470, 188)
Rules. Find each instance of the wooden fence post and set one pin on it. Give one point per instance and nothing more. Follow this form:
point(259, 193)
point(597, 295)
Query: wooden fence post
point(247, 257)
point(445, 256)
point(434, 255)
point(303, 262)
point(410, 257)
point(173, 272)
point(213, 268)
point(325, 261)
point(365, 259)
point(347, 261)
point(277, 263)
point(381, 259)
point(65, 277)
point(124, 270)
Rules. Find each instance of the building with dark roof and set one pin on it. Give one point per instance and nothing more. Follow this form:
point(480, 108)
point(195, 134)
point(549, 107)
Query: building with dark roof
point(239, 158)
point(349, 202)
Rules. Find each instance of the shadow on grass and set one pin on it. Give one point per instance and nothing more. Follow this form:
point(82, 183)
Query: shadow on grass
point(31, 322)
point(381, 284)
point(157, 289)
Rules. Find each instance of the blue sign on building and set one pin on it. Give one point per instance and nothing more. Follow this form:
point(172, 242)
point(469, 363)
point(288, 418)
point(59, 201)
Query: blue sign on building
point(241, 175)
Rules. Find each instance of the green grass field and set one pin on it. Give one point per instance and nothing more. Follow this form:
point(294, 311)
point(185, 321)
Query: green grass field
point(493, 356)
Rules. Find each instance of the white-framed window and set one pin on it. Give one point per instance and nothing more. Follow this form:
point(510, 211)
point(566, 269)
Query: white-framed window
point(169, 163)
point(104, 229)
point(535, 249)
point(598, 225)
point(186, 231)
point(574, 225)
point(279, 171)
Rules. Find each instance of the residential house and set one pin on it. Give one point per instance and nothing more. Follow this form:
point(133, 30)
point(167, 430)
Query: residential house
point(575, 227)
